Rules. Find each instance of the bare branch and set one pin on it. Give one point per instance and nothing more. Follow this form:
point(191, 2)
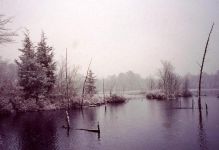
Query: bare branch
point(6, 35)
point(85, 83)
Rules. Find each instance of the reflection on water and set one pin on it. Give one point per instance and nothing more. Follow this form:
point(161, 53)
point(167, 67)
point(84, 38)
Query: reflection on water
point(136, 124)
point(37, 132)
point(202, 134)
point(28, 131)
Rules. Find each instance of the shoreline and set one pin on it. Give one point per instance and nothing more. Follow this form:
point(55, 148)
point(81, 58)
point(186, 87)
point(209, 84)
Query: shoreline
point(30, 105)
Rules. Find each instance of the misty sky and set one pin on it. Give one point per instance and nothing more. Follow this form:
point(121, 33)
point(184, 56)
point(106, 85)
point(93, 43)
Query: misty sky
point(120, 35)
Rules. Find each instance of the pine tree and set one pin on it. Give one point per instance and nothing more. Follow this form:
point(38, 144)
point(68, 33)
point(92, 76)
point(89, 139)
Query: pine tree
point(30, 73)
point(44, 57)
point(90, 87)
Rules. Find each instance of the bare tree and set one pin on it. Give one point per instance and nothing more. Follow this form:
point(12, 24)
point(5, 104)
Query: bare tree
point(6, 35)
point(8, 82)
point(66, 77)
point(8, 77)
point(201, 70)
point(90, 87)
point(72, 80)
point(150, 83)
point(185, 88)
point(169, 81)
point(112, 84)
point(85, 80)
point(104, 92)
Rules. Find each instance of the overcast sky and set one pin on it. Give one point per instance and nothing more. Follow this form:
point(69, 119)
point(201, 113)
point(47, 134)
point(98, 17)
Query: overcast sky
point(120, 35)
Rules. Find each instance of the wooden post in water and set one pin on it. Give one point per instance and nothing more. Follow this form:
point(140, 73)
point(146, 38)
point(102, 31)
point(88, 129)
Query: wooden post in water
point(104, 95)
point(98, 127)
point(67, 119)
point(206, 107)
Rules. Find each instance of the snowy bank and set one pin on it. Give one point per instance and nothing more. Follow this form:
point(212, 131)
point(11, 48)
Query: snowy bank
point(55, 102)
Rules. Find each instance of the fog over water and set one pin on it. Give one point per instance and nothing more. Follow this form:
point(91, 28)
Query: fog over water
point(120, 35)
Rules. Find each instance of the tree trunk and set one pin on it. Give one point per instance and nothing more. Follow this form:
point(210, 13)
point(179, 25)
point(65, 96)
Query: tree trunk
point(66, 78)
point(82, 97)
point(104, 93)
point(200, 77)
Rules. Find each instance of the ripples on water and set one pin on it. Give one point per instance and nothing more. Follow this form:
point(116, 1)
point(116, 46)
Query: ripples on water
point(137, 124)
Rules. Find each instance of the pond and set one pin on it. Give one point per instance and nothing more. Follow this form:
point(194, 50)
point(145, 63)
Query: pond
point(138, 124)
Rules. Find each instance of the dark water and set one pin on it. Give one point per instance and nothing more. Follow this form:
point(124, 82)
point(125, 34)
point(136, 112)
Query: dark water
point(139, 124)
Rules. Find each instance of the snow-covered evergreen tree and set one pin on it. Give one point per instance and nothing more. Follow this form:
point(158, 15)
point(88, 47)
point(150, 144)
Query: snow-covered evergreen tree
point(30, 73)
point(90, 87)
point(44, 56)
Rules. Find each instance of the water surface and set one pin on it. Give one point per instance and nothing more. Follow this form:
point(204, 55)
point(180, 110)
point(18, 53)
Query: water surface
point(138, 124)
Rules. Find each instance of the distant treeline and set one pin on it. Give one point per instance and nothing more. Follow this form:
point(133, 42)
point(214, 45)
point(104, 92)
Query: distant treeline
point(209, 81)
point(130, 81)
